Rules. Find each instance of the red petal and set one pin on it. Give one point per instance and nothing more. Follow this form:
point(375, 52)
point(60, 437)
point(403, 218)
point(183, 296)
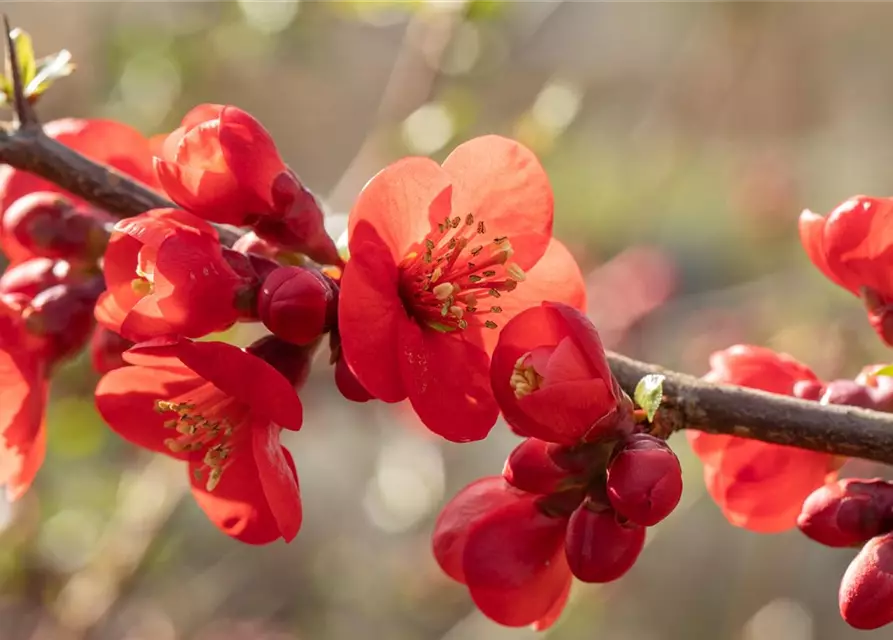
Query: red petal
point(857, 243)
point(201, 113)
point(238, 505)
point(812, 236)
point(556, 277)
point(236, 373)
point(565, 412)
point(210, 194)
point(370, 314)
point(514, 563)
point(126, 399)
point(23, 395)
point(473, 503)
point(396, 201)
point(557, 608)
point(278, 479)
point(250, 153)
point(446, 379)
point(502, 184)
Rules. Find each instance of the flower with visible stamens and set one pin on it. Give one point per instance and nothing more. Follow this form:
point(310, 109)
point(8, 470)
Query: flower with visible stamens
point(221, 410)
point(166, 274)
point(551, 378)
point(441, 257)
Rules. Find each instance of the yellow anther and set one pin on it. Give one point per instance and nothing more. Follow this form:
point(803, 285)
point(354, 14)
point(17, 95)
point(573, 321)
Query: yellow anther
point(435, 275)
point(457, 311)
point(213, 478)
point(443, 291)
point(141, 286)
point(524, 379)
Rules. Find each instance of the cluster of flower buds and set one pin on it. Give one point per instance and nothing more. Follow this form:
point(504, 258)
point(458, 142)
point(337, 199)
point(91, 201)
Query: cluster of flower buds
point(854, 513)
point(576, 495)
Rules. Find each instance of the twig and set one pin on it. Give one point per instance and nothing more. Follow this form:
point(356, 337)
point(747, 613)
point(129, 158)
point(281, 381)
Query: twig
point(27, 117)
point(691, 403)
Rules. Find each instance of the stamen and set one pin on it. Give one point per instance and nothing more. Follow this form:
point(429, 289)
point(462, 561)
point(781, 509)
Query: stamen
point(491, 325)
point(435, 275)
point(516, 273)
point(457, 311)
point(469, 219)
point(141, 286)
point(524, 379)
point(482, 229)
point(477, 250)
point(443, 291)
point(494, 293)
point(496, 309)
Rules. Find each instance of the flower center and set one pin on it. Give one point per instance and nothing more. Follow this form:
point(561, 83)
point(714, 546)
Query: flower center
point(525, 379)
point(452, 279)
point(205, 420)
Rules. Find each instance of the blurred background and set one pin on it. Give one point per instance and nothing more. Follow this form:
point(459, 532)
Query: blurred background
point(682, 141)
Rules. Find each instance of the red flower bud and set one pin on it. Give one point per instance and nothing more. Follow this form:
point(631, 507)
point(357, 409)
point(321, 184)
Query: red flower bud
point(645, 480)
point(599, 548)
point(847, 392)
point(808, 389)
point(291, 360)
point(866, 591)
point(530, 468)
point(848, 512)
point(107, 350)
point(297, 304)
point(48, 224)
point(63, 317)
point(33, 276)
point(251, 243)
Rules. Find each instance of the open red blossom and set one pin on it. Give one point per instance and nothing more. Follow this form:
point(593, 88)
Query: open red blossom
point(853, 247)
point(759, 486)
point(551, 379)
point(441, 257)
point(23, 397)
point(866, 591)
point(492, 538)
point(105, 141)
point(221, 410)
point(165, 274)
point(222, 165)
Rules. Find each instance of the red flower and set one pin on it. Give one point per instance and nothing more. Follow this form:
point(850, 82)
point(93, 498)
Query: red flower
point(551, 379)
point(221, 410)
point(166, 274)
point(854, 249)
point(759, 486)
point(222, 165)
point(105, 141)
point(492, 538)
point(441, 257)
point(23, 397)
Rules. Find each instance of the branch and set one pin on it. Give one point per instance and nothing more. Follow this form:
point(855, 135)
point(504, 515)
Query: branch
point(691, 403)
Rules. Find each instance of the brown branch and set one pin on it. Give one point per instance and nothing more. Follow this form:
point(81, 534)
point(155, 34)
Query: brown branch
point(691, 403)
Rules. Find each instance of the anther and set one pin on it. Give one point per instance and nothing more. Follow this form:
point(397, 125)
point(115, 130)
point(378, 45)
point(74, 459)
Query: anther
point(469, 219)
point(490, 324)
point(494, 293)
point(482, 229)
point(477, 250)
point(457, 311)
point(456, 221)
point(435, 275)
point(496, 309)
point(429, 245)
point(475, 278)
point(443, 291)
point(489, 274)
point(213, 479)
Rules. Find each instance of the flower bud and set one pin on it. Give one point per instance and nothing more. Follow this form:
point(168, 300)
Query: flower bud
point(48, 224)
point(63, 316)
point(33, 276)
point(107, 350)
point(866, 591)
point(291, 360)
point(808, 389)
point(848, 512)
point(530, 468)
point(251, 243)
point(297, 304)
point(599, 548)
point(847, 392)
point(644, 480)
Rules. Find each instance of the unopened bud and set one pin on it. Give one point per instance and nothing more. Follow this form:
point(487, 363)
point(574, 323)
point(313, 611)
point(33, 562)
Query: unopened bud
point(530, 468)
point(297, 304)
point(808, 389)
point(251, 243)
point(848, 512)
point(644, 480)
point(847, 392)
point(107, 350)
point(63, 316)
point(866, 591)
point(33, 276)
point(601, 548)
point(291, 360)
point(48, 224)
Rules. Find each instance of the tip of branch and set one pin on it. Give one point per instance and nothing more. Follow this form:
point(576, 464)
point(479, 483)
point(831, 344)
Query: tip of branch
point(24, 110)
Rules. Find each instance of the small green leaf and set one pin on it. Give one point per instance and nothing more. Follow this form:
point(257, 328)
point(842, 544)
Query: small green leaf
point(25, 55)
point(884, 371)
point(649, 393)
